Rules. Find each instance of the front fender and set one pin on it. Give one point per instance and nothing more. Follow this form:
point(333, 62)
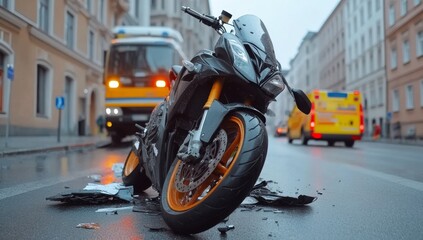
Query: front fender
point(217, 112)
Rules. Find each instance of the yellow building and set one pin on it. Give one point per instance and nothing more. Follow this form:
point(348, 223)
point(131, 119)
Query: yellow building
point(56, 49)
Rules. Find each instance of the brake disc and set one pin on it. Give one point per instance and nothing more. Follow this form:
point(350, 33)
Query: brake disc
point(190, 175)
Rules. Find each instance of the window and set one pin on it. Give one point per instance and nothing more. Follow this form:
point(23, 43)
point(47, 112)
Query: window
point(91, 46)
point(380, 102)
point(355, 24)
point(378, 32)
point(369, 8)
point(403, 7)
point(419, 43)
point(89, 6)
point(393, 58)
point(417, 2)
point(379, 57)
point(377, 5)
point(391, 15)
point(363, 61)
point(395, 100)
point(154, 4)
point(372, 96)
point(409, 98)
point(362, 16)
point(363, 43)
point(137, 9)
point(43, 15)
point(406, 51)
point(370, 37)
point(421, 93)
point(102, 9)
point(41, 91)
point(2, 79)
point(70, 30)
point(4, 3)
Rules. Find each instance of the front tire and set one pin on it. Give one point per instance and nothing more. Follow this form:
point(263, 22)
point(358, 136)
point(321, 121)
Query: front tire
point(238, 163)
point(133, 175)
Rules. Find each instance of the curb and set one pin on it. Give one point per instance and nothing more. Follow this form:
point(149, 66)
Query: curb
point(70, 147)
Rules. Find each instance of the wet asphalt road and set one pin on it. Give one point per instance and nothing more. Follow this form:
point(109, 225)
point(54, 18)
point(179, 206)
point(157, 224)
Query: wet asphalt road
point(372, 191)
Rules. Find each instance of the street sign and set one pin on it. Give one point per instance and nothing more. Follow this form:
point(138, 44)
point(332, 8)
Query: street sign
point(388, 116)
point(10, 72)
point(60, 102)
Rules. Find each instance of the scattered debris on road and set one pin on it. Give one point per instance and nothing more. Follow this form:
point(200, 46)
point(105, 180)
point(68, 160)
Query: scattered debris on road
point(95, 177)
point(96, 194)
point(113, 210)
point(261, 195)
point(226, 228)
point(88, 225)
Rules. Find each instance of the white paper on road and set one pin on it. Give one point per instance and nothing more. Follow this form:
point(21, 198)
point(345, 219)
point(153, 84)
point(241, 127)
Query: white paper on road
point(117, 169)
point(109, 189)
point(114, 209)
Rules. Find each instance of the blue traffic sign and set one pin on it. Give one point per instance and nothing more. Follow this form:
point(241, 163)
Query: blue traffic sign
point(60, 102)
point(10, 72)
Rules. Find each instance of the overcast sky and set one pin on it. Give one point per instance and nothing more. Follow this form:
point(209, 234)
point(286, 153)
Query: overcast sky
point(287, 21)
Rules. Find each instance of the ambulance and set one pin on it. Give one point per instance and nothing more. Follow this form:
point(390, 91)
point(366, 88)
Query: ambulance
point(334, 117)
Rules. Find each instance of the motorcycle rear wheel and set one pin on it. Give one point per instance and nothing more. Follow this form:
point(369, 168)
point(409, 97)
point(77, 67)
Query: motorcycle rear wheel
point(196, 210)
point(133, 175)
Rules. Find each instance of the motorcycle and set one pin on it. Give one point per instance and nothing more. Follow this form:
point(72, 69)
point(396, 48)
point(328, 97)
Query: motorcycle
point(205, 145)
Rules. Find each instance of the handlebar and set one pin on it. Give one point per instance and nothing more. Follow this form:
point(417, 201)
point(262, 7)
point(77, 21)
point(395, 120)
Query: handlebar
point(207, 20)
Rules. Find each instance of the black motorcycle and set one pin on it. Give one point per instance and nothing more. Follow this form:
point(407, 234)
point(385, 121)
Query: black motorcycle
point(205, 145)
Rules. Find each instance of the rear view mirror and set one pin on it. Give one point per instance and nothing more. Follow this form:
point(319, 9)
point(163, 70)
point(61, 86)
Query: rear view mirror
point(302, 101)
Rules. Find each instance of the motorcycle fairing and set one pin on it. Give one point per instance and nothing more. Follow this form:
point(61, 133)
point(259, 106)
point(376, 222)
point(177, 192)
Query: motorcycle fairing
point(254, 35)
point(217, 112)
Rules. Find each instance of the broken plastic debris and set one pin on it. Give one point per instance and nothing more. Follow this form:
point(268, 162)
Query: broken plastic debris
point(249, 200)
point(265, 196)
point(95, 177)
point(117, 168)
point(88, 225)
point(106, 210)
point(94, 196)
point(226, 228)
point(155, 229)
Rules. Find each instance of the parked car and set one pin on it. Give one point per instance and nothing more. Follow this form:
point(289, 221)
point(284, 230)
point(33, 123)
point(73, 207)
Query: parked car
point(280, 130)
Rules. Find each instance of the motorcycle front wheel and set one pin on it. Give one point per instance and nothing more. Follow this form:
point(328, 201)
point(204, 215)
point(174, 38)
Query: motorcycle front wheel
point(133, 175)
point(197, 196)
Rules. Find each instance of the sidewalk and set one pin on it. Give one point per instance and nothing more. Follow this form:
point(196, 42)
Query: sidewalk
point(413, 142)
point(33, 144)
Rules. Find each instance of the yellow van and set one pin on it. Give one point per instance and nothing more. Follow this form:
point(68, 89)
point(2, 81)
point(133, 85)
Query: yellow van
point(334, 116)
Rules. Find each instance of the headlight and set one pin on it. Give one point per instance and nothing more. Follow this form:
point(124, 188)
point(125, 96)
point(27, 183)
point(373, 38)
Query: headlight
point(239, 53)
point(113, 111)
point(274, 85)
point(241, 60)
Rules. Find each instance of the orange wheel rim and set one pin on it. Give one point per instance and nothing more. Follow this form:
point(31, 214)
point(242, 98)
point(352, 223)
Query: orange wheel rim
point(131, 163)
point(183, 201)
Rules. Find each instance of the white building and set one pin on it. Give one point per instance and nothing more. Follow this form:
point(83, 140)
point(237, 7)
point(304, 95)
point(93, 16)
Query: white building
point(365, 65)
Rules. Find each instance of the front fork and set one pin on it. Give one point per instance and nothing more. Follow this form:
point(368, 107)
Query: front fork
point(190, 149)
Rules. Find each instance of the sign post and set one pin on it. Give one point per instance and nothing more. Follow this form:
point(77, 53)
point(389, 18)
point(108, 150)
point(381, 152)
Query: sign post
point(10, 75)
point(60, 104)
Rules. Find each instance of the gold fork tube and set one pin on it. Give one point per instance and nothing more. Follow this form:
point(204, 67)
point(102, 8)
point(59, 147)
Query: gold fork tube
point(214, 93)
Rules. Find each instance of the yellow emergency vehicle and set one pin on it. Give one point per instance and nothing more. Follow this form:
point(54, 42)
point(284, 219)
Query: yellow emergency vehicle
point(137, 75)
point(334, 116)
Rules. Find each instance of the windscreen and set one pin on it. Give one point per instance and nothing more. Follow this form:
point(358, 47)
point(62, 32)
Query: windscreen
point(251, 30)
point(140, 60)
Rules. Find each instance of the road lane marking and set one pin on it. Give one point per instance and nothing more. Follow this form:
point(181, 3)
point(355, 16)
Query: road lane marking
point(391, 178)
point(27, 187)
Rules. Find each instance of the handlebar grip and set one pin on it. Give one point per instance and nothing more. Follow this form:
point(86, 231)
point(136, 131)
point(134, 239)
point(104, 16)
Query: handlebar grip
point(207, 20)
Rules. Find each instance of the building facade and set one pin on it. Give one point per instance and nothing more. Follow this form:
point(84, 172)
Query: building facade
point(196, 35)
point(55, 48)
point(365, 58)
point(404, 63)
point(331, 44)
